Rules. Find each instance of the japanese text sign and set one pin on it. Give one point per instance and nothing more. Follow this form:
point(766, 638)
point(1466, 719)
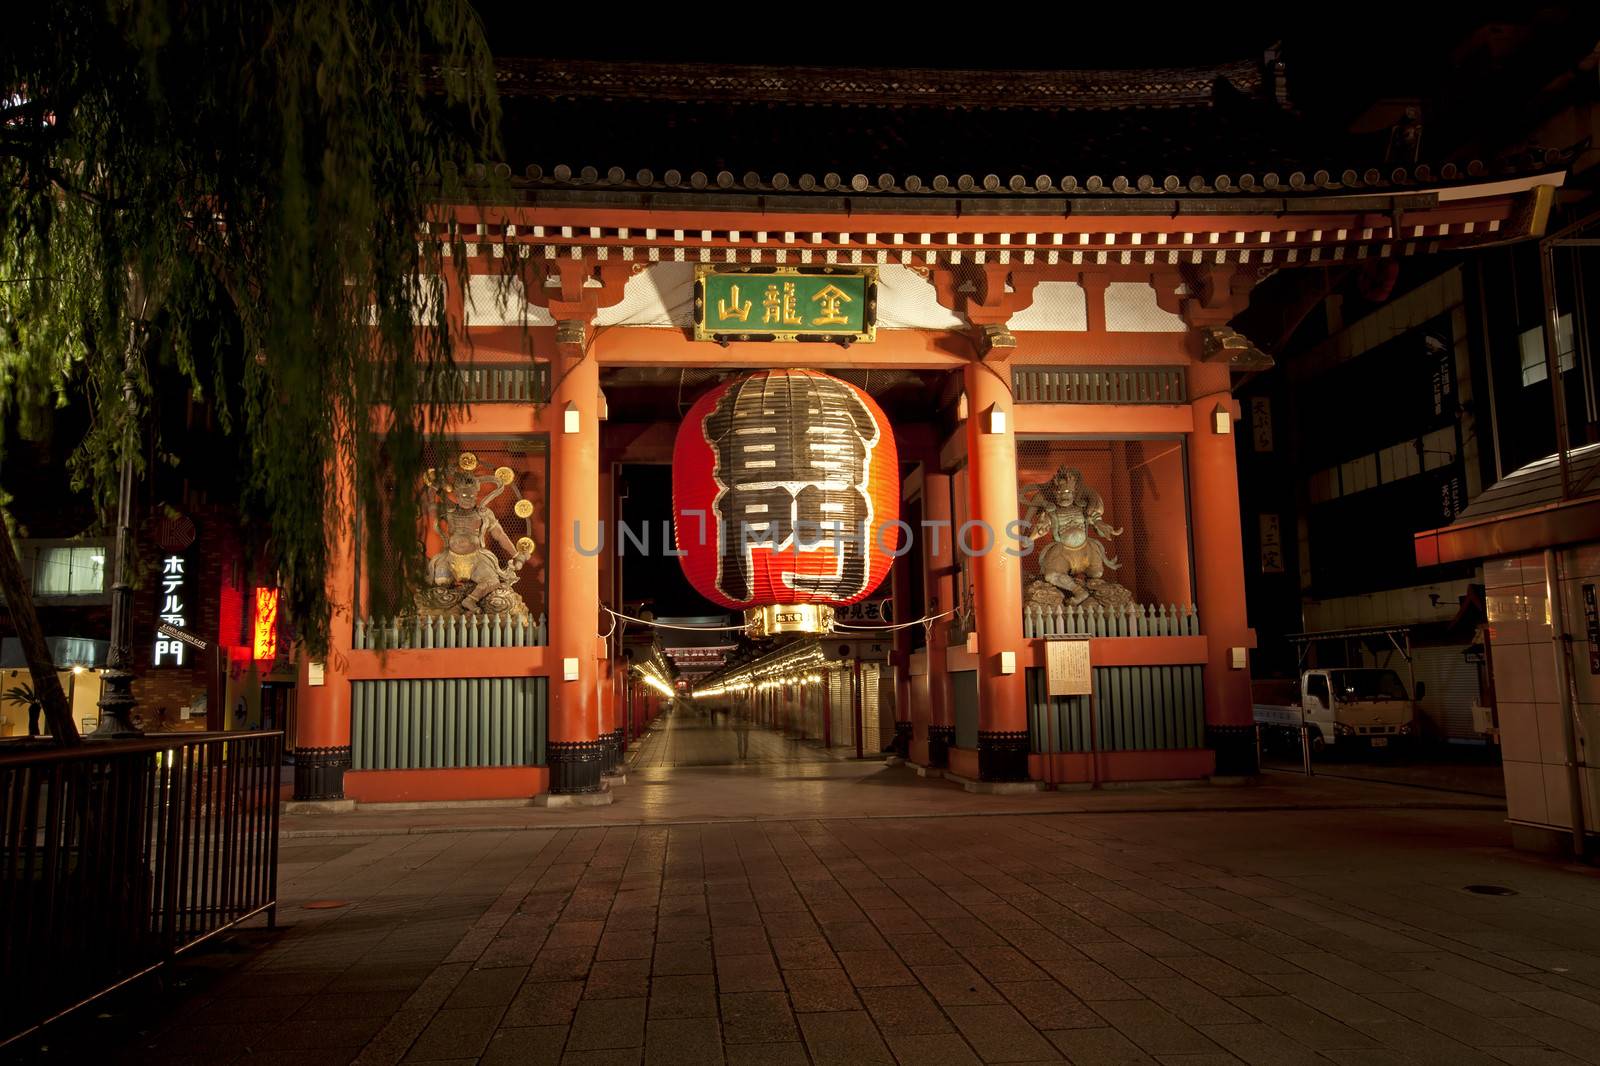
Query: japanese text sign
point(786, 304)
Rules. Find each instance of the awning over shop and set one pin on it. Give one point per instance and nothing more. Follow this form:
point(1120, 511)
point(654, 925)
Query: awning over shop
point(1522, 512)
point(64, 651)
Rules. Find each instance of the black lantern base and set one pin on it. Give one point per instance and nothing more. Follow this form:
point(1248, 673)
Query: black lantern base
point(940, 737)
point(575, 765)
point(902, 739)
point(319, 772)
point(1235, 746)
point(1003, 756)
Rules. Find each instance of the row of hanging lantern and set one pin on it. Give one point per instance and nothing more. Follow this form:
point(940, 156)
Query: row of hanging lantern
point(654, 671)
point(654, 680)
point(794, 665)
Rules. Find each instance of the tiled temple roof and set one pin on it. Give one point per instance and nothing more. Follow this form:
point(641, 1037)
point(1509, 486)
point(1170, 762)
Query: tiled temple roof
point(1223, 131)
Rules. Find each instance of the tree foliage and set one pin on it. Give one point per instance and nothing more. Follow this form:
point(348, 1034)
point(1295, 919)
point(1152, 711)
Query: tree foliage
point(239, 188)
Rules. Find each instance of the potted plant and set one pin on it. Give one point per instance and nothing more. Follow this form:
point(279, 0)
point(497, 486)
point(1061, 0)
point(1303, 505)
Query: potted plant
point(22, 695)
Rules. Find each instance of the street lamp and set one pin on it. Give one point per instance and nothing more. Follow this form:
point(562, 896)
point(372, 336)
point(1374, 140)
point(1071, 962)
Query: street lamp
point(116, 680)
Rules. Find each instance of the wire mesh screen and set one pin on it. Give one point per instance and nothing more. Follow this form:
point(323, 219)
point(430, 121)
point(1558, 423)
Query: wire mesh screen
point(512, 479)
point(1109, 536)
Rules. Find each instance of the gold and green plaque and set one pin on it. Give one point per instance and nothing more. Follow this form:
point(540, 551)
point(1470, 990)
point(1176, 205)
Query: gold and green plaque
point(755, 303)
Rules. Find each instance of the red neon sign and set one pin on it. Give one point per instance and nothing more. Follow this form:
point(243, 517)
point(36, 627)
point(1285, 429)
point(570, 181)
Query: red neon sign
point(266, 627)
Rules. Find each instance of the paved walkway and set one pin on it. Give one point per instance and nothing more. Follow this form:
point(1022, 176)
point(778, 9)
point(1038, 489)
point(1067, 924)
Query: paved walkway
point(687, 770)
point(689, 740)
point(1197, 938)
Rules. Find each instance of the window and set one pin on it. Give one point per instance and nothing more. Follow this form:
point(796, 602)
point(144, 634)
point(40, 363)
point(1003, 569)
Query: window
point(1531, 342)
point(73, 570)
point(1369, 685)
point(1317, 689)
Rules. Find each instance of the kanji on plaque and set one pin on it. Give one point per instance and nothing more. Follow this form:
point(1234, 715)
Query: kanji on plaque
point(1271, 545)
point(785, 303)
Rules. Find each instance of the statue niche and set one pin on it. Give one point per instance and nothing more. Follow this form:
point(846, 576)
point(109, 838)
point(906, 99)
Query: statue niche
point(1067, 514)
point(467, 577)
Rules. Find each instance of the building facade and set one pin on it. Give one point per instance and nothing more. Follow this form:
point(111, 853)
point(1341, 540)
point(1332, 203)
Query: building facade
point(1051, 348)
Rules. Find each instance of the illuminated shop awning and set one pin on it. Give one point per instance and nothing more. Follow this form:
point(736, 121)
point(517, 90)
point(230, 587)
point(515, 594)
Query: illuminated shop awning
point(1522, 512)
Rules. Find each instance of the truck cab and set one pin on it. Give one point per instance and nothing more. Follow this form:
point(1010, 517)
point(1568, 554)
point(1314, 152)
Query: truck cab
point(1346, 708)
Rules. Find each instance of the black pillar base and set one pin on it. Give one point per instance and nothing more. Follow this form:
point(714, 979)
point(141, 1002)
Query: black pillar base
point(611, 744)
point(940, 737)
point(319, 772)
point(1003, 756)
point(575, 765)
point(1235, 746)
point(902, 739)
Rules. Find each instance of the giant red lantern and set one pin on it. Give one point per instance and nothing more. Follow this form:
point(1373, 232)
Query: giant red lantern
point(785, 496)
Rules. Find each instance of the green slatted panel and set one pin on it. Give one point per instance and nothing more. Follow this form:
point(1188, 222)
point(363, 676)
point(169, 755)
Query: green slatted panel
point(427, 723)
point(1142, 708)
point(1043, 384)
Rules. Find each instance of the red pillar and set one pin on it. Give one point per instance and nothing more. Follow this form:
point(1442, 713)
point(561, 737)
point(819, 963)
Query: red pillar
point(937, 721)
point(322, 711)
point(575, 754)
point(1219, 573)
point(996, 574)
point(611, 733)
point(900, 582)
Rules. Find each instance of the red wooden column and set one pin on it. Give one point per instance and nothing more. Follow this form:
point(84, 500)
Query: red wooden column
point(996, 574)
point(900, 583)
point(573, 290)
point(987, 295)
point(611, 735)
point(322, 712)
point(936, 721)
point(1219, 573)
point(575, 748)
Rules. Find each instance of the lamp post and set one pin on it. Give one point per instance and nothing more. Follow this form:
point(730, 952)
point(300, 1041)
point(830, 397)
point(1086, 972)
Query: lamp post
point(116, 692)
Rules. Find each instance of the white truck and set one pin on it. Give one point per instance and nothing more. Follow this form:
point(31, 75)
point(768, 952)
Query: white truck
point(1343, 709)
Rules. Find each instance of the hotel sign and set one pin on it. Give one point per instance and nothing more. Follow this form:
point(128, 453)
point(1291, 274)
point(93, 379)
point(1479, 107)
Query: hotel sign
point(758, 303)
point(174, 612)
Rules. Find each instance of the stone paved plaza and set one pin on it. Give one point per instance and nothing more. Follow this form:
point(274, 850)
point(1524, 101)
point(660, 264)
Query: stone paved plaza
point(1243, 930)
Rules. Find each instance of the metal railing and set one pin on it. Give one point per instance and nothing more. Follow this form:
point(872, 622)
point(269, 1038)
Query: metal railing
point(1133, 620)
point(115, 856)
point(452, 631)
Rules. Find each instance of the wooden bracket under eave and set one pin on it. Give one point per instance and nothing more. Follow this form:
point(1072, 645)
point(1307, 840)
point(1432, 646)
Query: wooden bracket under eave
point(1223, 344)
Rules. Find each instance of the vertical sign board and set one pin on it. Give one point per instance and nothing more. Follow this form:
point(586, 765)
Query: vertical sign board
point(172, 596)
point(1261, 423)
point(1067, 668)
point(265, 630)
point(1591, 618)
point(1271, 545)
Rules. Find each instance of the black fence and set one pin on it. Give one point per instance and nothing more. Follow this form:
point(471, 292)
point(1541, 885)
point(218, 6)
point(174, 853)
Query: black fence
point(115, 856)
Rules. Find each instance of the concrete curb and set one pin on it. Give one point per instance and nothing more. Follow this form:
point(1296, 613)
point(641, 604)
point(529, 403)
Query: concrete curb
point(995, 788)
point(1243, 808)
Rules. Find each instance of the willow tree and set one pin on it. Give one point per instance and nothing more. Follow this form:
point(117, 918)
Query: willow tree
point(166, 165)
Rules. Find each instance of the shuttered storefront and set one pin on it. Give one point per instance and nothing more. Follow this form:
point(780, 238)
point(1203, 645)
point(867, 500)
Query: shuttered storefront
point(1452, 689)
